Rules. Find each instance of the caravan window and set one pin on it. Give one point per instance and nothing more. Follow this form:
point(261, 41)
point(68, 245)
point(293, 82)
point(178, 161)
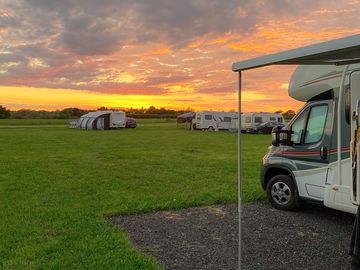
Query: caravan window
point(198, 116)
point(208, 116)
point(272, 118)
point(258, 119)
point(280, 120)
point(247, 119)
point(316, 124)
point(227, 119)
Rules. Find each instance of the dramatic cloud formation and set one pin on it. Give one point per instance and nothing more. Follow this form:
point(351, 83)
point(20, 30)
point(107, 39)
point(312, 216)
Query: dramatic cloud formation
point(175, 53)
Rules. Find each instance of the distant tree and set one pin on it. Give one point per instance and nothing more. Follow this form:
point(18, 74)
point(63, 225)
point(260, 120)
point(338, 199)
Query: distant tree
point(279, 111)
point(102, 108)
point(151, 110)
point(4, 113)
point(289, 114)
point(77, 112)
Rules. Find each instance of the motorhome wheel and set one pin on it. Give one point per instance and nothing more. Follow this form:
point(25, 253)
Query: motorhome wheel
point(211, 128)
point(281, 192)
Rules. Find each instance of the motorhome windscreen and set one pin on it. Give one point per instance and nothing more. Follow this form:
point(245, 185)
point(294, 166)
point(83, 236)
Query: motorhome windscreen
point(298, 128)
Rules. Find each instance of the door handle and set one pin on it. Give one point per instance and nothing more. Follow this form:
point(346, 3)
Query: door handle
point(323, 152)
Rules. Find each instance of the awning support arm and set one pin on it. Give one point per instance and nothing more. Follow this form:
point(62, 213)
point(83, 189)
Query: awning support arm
point(339, 122)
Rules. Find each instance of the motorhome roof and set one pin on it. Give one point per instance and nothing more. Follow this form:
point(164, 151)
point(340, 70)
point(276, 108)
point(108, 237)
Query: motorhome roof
point(336, 52)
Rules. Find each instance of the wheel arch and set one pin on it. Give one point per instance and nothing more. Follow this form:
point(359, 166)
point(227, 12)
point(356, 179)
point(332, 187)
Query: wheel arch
point(273, 171)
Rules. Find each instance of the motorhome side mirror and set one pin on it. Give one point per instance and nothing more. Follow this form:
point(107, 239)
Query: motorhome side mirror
point(281, 136)
point(275, 136)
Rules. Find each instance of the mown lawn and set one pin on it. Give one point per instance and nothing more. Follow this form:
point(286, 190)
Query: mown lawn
point(26, 122)
point(57, 185)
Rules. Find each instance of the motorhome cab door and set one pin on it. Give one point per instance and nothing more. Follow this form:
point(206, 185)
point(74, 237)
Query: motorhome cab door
point(308, 156)
point(355, 136)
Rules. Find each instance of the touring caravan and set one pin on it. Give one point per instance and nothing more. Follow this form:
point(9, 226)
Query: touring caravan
point(101, 120)
point(210, 120)
point(316, 156)
point(256, 118)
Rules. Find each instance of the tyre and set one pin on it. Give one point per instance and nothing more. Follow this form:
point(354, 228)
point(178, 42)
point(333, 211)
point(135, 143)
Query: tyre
point(281, 192)
point(211, 128)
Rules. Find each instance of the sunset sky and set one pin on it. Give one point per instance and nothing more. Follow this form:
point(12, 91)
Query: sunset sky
point(166, 53)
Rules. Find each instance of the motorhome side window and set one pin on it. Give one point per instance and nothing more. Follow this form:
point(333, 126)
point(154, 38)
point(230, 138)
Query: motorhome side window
point(273, 119)
point(208, 116)
point(316, 123)
point(227, 119)
point(258, 119)
point(247, 119)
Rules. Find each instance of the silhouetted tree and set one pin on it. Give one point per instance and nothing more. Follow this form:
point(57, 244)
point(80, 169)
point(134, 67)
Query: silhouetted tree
point(4, 113)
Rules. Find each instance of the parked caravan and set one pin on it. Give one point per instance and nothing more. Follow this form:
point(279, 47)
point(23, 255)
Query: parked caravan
point(234, 124)
point(102, 120)
point(316, 156)
point(253, 119)
point(213, 120)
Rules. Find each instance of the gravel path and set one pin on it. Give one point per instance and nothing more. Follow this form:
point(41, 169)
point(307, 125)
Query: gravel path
point(206, 237)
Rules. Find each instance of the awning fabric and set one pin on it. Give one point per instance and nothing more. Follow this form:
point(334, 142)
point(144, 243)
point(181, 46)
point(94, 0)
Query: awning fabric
point(335, 52)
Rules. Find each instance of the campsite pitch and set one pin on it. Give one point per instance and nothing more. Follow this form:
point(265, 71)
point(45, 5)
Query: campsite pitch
point(206, 237)
point(58, 185)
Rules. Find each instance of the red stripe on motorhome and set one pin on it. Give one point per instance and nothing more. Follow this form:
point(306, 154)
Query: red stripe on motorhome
point(304, 153)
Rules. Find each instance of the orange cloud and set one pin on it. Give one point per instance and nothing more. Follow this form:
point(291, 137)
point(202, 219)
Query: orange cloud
point(142, 59)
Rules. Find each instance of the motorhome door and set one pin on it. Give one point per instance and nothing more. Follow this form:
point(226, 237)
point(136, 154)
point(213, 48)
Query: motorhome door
point(354, 115)
point(308, 155)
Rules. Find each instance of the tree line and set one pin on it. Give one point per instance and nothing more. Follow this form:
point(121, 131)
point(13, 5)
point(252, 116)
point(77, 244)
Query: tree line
point(69, 113)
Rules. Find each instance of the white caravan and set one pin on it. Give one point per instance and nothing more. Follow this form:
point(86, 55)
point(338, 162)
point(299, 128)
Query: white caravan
point(213, 120)
point(316, 157)
point(256, 118)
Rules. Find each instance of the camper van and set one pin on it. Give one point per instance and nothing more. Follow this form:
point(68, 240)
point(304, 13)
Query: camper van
point(303, 163)
point(208, 120)
point(316, 156)
point(252, 119)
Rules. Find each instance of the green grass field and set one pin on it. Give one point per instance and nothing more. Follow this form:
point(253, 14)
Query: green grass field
point(57, 185)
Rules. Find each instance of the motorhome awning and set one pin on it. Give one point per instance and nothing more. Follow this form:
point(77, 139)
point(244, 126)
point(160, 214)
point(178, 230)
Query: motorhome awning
point(343, 51)
point(335, 52)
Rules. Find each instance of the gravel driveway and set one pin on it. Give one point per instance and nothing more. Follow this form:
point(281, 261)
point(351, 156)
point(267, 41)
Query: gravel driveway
point(206, 237)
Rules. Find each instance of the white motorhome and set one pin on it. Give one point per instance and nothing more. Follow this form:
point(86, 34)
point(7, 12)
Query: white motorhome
point(213, 120)
point(316, 157)
point(251, 119)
